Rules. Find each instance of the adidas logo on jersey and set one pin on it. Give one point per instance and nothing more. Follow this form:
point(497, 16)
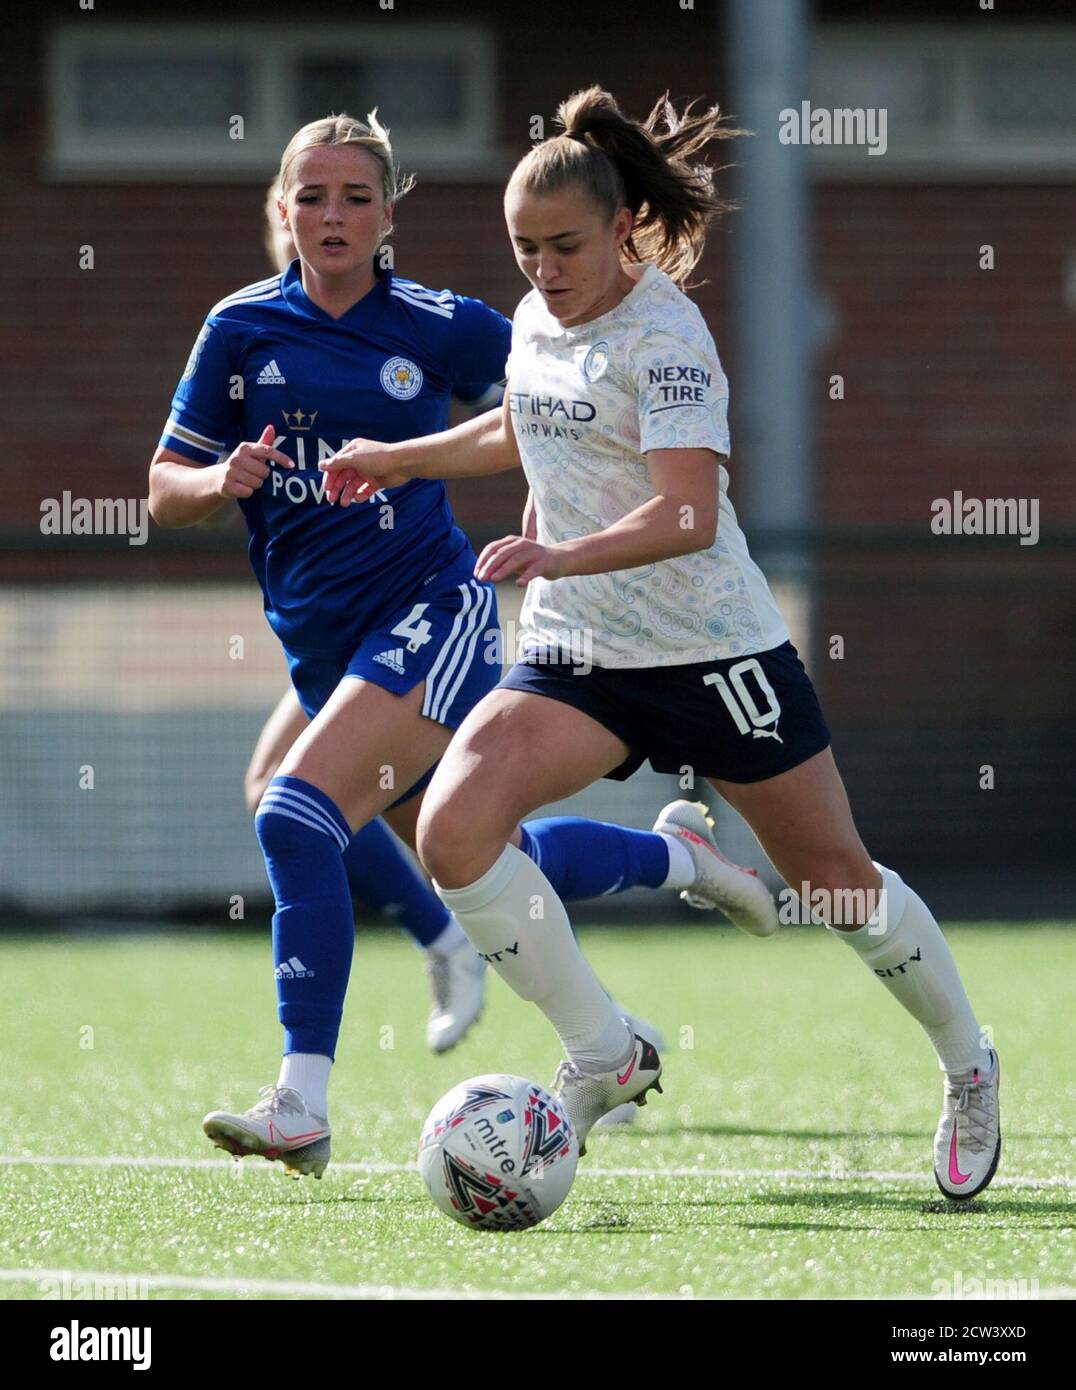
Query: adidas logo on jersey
point(271, 375)
point(292, 969)
point(393, 660)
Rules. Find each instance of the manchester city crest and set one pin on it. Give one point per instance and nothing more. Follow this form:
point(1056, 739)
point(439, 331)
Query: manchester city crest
point(401, 378)
point(596, 361)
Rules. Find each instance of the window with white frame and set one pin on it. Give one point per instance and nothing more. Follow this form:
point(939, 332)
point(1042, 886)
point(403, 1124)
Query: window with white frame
point(968, 101)
point(207, 100)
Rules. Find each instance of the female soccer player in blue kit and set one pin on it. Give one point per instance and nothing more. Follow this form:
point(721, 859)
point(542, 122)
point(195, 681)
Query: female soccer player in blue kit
point(378, 870)
point(386, 629)
point(616, 409)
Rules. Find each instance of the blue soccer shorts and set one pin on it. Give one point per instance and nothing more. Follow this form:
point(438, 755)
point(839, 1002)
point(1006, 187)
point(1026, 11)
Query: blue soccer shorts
point(451, 639)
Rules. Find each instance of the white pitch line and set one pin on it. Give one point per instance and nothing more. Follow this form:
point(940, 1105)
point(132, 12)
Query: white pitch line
point(302, 1288)
point(735, 1174)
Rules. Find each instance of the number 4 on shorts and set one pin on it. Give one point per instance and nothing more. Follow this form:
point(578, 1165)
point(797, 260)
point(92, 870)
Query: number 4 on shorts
point(414, 628)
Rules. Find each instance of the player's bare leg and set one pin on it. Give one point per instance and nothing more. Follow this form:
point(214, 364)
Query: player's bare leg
point(803, 821)
point(404, 821)
point(514, 752)
point(390, 745)
point(281, 729)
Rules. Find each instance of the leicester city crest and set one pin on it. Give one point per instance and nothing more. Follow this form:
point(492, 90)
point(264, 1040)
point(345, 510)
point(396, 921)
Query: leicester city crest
point(401, 378)
point(596, 361)
point(196, 352)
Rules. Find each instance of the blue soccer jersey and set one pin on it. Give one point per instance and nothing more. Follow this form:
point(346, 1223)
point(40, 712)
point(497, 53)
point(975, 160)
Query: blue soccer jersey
point(385, 370)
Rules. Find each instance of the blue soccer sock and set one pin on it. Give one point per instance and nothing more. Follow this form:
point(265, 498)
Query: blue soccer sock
point(383, 877)
point(588, 858)
point(303, 836)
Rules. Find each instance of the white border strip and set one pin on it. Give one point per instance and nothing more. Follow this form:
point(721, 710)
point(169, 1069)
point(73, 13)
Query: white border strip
point(282, 1288)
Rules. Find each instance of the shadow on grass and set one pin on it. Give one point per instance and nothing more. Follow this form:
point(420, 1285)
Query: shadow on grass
point(763, 1132)
point(991, 1204)
point(823, 1226)
point(829, 1194)
point(628, 1216)
point(326, 1196)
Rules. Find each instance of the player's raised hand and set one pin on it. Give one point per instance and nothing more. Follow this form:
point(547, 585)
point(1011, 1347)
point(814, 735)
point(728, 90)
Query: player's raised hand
point(524, 558)
point(360, 468)
point(247, 467)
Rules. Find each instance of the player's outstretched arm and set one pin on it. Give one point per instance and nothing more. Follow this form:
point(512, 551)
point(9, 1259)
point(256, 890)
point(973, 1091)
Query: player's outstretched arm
point(182, 493)
point(680, 519)
point(486, 444)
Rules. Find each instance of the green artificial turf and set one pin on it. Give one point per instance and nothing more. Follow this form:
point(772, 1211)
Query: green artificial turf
point(783, 1057)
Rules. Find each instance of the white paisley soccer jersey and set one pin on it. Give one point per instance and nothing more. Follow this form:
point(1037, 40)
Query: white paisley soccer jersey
point(587, 404)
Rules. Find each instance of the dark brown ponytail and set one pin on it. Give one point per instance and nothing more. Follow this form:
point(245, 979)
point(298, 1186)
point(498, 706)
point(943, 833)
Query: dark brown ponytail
point(645, 166)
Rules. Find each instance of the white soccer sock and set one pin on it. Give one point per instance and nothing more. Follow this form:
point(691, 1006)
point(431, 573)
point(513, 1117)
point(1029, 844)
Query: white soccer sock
point(908, 953)
point(514, 918)
point(308, 1073)
point(681, 865)
point(451, 938)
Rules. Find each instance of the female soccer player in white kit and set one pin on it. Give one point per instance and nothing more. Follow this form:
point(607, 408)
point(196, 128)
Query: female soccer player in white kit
point(616, 409)
point(387, 633)
point(377, 870)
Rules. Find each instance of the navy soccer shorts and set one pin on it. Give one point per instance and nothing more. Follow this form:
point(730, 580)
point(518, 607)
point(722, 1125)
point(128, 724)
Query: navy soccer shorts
point(739, 720)
point(451, 640)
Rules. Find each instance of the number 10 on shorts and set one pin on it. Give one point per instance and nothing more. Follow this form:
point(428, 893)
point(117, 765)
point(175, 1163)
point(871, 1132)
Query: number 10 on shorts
point(743, 704)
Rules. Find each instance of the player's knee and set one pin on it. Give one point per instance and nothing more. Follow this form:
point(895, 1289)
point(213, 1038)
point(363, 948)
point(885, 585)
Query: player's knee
point(455, 846)
point(846, 879)
point(285, 835)
point(828, 872)
point(439, 840)
point(274, 834)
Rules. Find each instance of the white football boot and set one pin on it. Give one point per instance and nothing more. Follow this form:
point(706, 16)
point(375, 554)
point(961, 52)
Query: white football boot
point(967, 1144)
point(737, 891)
point(587, 1098)
point(628, 1113)
point(278, 1127)
point(458, 985)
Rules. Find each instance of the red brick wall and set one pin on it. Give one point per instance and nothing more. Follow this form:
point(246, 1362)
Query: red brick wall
point(955, 377)
point(90, 358)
